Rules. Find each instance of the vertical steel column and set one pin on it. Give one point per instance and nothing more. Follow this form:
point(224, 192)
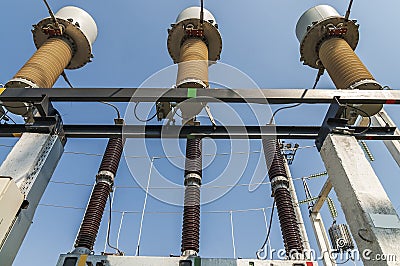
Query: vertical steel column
point(370, 214)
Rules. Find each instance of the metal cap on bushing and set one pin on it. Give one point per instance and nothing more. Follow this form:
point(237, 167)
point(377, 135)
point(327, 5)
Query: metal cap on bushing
point(327, 41)
point(79, 27)
point(190, 17)
point(317, 24)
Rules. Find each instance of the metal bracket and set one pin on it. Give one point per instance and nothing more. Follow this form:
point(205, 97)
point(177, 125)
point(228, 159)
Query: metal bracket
point(332, 123)
point(49, 117)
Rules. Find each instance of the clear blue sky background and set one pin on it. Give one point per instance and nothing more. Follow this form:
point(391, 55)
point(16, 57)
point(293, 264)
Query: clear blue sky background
point(259, 39)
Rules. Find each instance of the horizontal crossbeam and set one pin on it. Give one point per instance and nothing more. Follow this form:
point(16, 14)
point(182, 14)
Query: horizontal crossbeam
point(219, 132)
point(263, 96)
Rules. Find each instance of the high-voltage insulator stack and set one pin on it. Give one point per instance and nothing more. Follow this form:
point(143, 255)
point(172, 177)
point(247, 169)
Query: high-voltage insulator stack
point(284, 203)
point(104, 182)
point(327, 41)
point(194, 43)
point(64, 43)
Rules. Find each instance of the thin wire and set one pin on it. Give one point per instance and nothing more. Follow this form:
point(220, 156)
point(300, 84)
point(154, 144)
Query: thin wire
point(171, 188)
point(156, 212)
point(266, 227)
point(51, 13)
point(108, 223)
point(141, 120)
point(233, 235)
point(66, 79)
point(201, 13)
point(120, 227)
point(319, 74)
point(176, 188)
point(10, 118)
point(109, 227)
point(115, 107)
point(362, 111)
point(269, 231)
point(348, 10)
point(144, 208)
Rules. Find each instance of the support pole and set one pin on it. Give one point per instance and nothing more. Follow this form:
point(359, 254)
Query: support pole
point(322, 238)
point(30, 165)
point(370, 214)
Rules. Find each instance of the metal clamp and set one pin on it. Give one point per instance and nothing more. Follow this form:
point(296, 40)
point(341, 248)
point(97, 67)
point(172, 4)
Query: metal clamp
point(332, 123)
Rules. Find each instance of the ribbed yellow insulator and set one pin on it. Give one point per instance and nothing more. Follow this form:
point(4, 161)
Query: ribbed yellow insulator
point(193, 63)
point(47, 64)
point(342, 63)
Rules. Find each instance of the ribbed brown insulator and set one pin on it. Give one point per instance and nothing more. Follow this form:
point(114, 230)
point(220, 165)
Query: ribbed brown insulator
point(284, 202)
point(191, 219)
point(193, 162)
point(288, 221)
point(342, 63)
point(94, 213)
point(47, 63)
point(193, 62)
point(112, 155)
point(273, 158)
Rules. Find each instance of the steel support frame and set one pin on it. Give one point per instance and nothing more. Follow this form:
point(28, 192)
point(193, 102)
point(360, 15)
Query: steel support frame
point(30, 164)
point(262, 96)
point(373, 221)
point(216, 132)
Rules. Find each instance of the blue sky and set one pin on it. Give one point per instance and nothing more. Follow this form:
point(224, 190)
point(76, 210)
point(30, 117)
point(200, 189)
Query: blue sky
point(259, 39)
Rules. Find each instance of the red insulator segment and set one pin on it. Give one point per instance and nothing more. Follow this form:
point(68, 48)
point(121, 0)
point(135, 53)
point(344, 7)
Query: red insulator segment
point(191, 219)
point(193, 162)
point(94, 213)
point(284, 202)
point(112, 155)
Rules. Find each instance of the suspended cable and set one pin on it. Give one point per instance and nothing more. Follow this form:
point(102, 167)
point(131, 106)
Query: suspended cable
point(319, 74)
point(109, 228)
point(142, 120)
point(262, 249)
point(51, 14)
point(156, 212)
point(66, 79)
point(177, 188)
point(266, 227)
point(115, 107)
point(108, 223)
point(348, 10)
point(163, 157)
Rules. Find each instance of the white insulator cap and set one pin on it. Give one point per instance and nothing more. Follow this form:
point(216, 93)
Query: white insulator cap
point(312, 16)
point(86, 23)
point(193, 12)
